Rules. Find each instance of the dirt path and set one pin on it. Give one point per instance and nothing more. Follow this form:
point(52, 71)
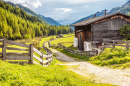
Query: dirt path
point(99, 74)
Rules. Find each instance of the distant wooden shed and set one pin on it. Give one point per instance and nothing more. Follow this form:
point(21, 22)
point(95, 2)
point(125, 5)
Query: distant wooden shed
point(60, 36)
point(94, 30)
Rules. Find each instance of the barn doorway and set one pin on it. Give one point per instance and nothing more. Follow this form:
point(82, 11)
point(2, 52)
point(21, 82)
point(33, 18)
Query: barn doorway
point(80, 42)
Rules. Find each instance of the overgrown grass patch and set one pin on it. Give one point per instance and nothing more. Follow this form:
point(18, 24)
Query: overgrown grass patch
point(114, 58)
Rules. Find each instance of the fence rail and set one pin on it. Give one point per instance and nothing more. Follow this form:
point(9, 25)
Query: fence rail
point(44, 59)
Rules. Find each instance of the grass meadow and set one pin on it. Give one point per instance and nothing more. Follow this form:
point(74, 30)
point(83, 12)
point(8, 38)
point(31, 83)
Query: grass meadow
point(37, 75)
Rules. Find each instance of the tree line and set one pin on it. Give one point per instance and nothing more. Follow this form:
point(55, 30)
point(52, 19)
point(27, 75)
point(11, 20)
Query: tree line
point(15, 23)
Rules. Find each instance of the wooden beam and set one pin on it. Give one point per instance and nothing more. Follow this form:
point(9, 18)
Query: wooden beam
point(0, 57)
point(1, 46)
point(37, 51)
point(18, 54)
point(31, 53)
point(10, 48)
point(16, 43)
point(39, 59)
point(20, 62)
point(108, 43)
point(15, 57)
point(4, 49)
point(0, 53)
point(1, 40)
point(120, 45)
point(127, 44)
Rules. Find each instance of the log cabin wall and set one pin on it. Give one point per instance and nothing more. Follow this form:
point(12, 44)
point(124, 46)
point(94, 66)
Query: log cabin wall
point(109, 28)
point(85, 32)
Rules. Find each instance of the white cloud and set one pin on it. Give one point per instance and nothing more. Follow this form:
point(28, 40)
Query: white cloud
point(63, 9)
point(27, 3)
point(77, 1)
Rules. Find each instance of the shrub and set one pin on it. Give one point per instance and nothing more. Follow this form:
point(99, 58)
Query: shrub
point(125, 31)
point(57, 36)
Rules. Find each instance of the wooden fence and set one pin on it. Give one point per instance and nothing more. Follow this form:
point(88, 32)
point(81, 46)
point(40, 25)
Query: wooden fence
point(76, 52)
point(108, 43)
point(15, 57)
point(44, 59)
point(12, 56)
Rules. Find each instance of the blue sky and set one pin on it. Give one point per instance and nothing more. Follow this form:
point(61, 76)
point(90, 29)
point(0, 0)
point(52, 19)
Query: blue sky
point(69, 10)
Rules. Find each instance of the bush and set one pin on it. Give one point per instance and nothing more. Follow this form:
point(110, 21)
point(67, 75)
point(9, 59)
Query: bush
point(125, 31)
point(57, 36)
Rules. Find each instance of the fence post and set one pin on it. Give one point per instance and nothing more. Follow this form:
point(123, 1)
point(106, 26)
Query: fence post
point(89, 54)
point(41, 58)
point(103, 46)
point(96, 52)
point(127, 44)
point(113, 44)
point(81, 53)
point(4, 49)
point(31, 53)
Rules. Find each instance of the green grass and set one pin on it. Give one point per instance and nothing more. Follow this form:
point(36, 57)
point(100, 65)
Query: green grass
point(114, 58)
point(46, 39)
point(61, 40)
point(65, 35)
point(36, 75)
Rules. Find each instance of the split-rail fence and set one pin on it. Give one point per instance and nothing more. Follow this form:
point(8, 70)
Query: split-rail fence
point(27, 57)
point(108, 43)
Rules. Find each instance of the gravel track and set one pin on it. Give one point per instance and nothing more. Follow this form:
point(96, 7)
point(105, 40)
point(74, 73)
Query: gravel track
point(119, 77)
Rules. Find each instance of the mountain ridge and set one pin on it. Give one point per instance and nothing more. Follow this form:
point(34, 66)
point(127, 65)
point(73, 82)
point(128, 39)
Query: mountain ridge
point(50, 20)
point(125, 8)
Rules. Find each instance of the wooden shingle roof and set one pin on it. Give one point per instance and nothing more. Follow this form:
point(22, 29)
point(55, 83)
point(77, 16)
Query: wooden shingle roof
point(92, 20)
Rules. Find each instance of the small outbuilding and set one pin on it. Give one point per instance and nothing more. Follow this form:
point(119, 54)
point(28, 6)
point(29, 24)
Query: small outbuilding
point(60, 36)
point(91, 32)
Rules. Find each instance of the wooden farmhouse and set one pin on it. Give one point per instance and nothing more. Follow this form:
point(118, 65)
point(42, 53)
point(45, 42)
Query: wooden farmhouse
point(91, 32)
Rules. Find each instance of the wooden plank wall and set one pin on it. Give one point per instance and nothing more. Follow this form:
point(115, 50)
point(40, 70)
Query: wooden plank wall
point(108, 29)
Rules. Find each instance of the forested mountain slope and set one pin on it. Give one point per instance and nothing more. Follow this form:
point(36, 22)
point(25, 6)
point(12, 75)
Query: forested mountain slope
point(28, 11)
point(46, 20)
point(15, 23)
point(50, 20)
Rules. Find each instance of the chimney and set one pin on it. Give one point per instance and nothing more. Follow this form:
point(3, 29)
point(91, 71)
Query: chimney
point(105, 13)
point(94, 15)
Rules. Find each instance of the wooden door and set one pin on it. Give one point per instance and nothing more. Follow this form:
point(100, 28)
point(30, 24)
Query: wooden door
point(88, 36)
point(80, 42)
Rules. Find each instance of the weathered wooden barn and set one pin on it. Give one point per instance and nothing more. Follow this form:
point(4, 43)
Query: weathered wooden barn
point(92, 31)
